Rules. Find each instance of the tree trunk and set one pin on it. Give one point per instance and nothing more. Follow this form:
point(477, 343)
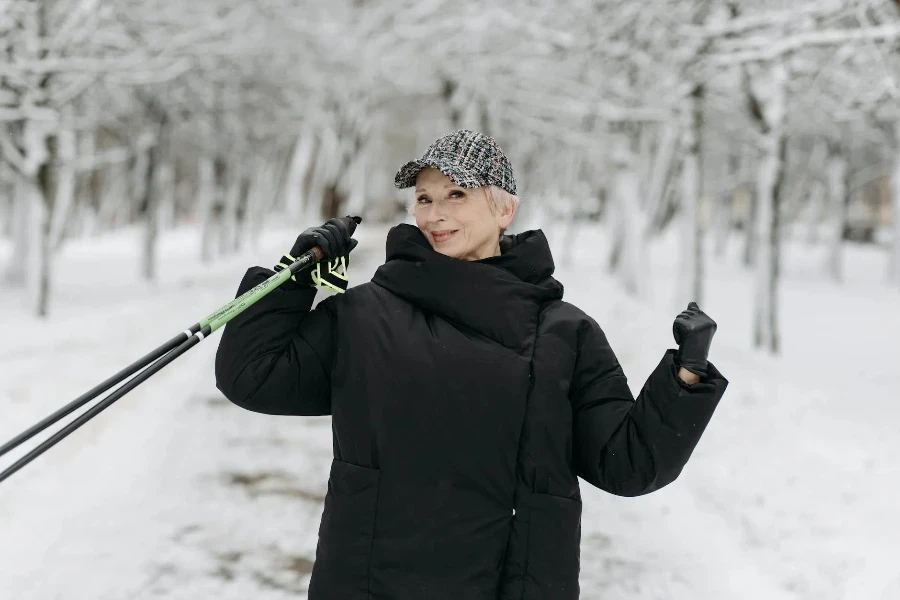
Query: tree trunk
point(472, 115)
point(117, 197)
point(264, 183)
point(837, 172)
point(659, 176)
point(6, 197)
point(301, 162)
point(628, 248)
point(152, 197)
point(647, 142)
point(46, 183)
point(750, 227)
point(566, 211)
point(243, 207)
point(617, 244)
point(44, 194)
point(88, 186)
point(816, 209)
point(816, 190)
point(85, 219)
point(36, 264)
point(64, 187)
point(206, 200)
point(570, 237)
point(356, 201)
point(320, 194)
point(150, 207)
point(165, 185)
point(449, 94)
point(139, 189)
point(488, 117)
point(636, 269)
point(725, 205)
point(232, 196)
point(691, 280)
point(895, 197)
point(21, 220)
point(770, 188)
point(90, 195)
point(749, 167)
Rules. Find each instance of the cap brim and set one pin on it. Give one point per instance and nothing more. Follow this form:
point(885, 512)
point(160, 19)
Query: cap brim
point(406, 176)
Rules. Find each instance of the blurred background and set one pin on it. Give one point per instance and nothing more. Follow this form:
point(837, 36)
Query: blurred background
point(743, 155)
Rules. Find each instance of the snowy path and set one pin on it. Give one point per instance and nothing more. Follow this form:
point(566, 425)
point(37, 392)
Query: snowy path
point(175, 493)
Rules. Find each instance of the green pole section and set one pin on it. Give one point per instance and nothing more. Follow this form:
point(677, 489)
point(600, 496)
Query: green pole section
point(219, 318)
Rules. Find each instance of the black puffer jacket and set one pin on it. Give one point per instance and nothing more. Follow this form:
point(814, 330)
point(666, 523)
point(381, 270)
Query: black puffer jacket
point(467, 398)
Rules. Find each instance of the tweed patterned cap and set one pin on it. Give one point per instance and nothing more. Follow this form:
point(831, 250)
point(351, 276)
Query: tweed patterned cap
point(467, 158)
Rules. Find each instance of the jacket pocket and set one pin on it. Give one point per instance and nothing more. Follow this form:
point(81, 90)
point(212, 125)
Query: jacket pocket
point(543, 554)
point(341, 569)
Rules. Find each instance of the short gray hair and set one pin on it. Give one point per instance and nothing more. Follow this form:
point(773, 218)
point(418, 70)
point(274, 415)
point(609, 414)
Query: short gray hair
point(499, 199)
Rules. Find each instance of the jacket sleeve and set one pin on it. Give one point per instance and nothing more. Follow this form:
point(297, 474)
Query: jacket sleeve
point(275, 357)
point(628, 447)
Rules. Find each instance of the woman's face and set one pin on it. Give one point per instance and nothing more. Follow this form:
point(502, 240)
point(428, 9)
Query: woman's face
point(458, 221)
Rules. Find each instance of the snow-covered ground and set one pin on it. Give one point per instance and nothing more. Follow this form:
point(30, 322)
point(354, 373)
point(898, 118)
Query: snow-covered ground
point(175, 493)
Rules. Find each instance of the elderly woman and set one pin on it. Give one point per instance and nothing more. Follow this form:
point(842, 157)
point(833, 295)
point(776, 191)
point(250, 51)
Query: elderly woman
point(466, 396)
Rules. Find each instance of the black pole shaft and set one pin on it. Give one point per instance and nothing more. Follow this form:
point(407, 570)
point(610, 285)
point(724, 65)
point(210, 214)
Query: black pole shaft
point(93, 393)
point(101, 406)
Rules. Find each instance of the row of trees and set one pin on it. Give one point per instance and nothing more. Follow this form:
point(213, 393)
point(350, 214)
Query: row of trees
point(713, 117)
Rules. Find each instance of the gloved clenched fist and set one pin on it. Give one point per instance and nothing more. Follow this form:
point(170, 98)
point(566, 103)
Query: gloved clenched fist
point(693, 330)
point(335, 241)
point(334, 238)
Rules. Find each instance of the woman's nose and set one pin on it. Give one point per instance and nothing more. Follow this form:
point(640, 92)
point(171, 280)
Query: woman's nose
point(435, 212)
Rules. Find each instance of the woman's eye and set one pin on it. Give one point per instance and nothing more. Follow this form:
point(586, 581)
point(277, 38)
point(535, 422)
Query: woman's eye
point(422, 200)
point(456, 194)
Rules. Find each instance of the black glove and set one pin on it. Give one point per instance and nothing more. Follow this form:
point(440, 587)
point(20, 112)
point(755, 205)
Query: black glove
point(334, 238)
point(693, 330)
point(335, 241)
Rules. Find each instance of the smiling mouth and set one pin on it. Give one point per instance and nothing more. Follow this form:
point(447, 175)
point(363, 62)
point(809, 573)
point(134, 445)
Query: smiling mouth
point(443, 236)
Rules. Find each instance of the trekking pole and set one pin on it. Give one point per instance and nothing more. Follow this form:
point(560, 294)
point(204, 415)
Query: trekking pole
point(157, 359)
point(96, 391)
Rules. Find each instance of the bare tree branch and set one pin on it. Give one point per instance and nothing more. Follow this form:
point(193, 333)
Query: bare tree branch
point(766, 49)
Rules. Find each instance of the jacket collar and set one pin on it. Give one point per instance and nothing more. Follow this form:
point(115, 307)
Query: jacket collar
point(499, 297)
